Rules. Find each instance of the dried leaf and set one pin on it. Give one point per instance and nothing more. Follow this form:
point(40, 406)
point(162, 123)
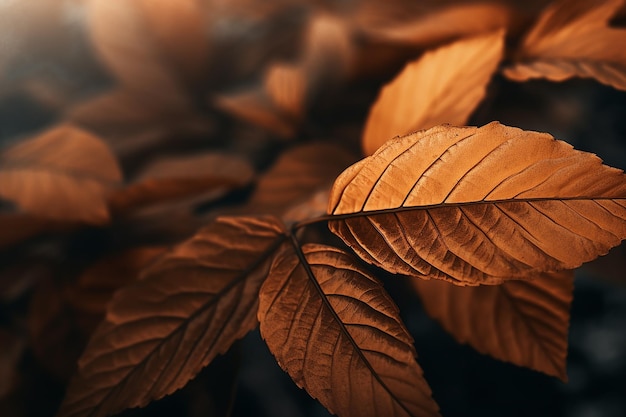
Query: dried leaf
point(62, 174)
point(296, 175)
point(179, 177)
point(190, 306)
point(426, 27)
point(572, 38)
point(443, 86)
point(522, 322)
point(338, 334)
point(479, 205)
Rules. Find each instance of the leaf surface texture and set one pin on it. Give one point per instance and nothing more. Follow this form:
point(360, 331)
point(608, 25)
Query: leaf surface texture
point(190, 306)
point(339, 336)
point(479, 205)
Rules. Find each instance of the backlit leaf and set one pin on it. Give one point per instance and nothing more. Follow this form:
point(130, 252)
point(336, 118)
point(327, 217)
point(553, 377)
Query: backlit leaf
point(572, 38)
point(190, 306)
point(443, 86)
point(338, 334)
point(62, 174)
point(524, 321)
point(479, 205)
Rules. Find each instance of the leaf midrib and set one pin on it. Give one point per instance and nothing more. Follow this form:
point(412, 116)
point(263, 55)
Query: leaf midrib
point(235, 282)
point(311, 276)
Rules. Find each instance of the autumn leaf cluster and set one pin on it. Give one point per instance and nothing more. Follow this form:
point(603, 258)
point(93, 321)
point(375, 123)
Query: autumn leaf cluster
point(252, 164)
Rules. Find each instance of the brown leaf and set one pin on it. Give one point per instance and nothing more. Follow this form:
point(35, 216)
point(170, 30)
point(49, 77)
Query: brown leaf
point(296, 175)
point(426, 27)
point(62, 174)
point(522, 322)
point(190, 306)
point(125, 40)
point(338, 334)
point(443, 86)
point(572, 38)
point(178, 177)
point(479, 205)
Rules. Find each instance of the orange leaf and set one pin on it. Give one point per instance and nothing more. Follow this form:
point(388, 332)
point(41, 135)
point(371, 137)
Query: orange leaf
point(189, 306)
point(338, 334)
point(522, 322)
point(62, 174)
point(479, 205)
point(443, 86)
point(572, 38)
